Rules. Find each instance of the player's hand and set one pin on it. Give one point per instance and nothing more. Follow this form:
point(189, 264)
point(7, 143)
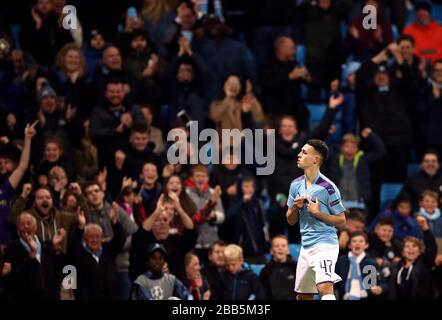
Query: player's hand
point(299, 202)
point(313, 206)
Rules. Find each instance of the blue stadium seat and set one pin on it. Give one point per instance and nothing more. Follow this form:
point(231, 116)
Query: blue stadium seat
point(389, 192)
point(256, 268)
point(295, 248)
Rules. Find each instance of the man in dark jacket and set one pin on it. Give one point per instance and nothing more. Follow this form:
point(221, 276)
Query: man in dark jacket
point(111, 123)
point(428, 178)
point(281, 78)
point(278, 275)
point(212, 271)
point(33, 266)
point(384, 104)
point(95, 260)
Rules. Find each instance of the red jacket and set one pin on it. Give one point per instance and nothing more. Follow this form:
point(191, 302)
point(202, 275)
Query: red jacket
point(428, 40)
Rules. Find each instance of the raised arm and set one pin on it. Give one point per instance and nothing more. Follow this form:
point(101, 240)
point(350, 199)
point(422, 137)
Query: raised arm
point(19, 172)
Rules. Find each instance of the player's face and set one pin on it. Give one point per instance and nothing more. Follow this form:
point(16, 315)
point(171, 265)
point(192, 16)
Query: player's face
point(280, 249)
point(411, 251)
point(307, 157)
point(217, 256)
point(404, 209)
point(358, 245)
point(429, 204)
point(233, 266)
point(384, 232)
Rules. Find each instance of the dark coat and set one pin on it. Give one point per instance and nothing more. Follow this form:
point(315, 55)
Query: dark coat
point(242, 285)
point(420, 182)
point(278, 279)
point(96, 281)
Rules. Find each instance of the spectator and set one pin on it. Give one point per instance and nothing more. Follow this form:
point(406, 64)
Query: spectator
point(146, 68)
point(155, 134)
point(70, 79)
point(213, 269)
point(323, 54)
point(366, 42)
point(250, 287)
point(41, 34)
point(411, 276)
point(93, 49)
point(428, 178)
point(429, 201)
point(34, 265)
point(129, 160)
point(281, 80)
point(354, 222)
point(407, 46)
point(10, 184)
point(223, 56)
point(156, 284)
point(405, 224)
point(428, 110)
point(111, 123)
point(187, 84)
point(278, 275)
point(210, 210)
point(195, 282)
point(384, 102)
point(49, 218)
point(234, 111)
point(383, 246)
point(158, 231)
point(426, 32)
point(94, 259)
point(353, 269)
point(351, 168)
point(150, 190)
point(247, 218)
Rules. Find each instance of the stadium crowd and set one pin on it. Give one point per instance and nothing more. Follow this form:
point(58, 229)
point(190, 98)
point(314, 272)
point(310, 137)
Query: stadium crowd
point(85, 112)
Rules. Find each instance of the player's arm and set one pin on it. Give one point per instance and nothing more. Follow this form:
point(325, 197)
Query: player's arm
point(337, 220)
point(292, 213)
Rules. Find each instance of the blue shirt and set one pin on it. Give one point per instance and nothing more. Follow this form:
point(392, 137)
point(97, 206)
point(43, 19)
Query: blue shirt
point(313, 230)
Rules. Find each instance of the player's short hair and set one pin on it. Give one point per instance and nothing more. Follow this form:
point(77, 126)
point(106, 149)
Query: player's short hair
point(233, 252)
point(350, 138)
point(359, 234)
point(388, 221)
point(416, 241)
point(356, 214)
point(429, 193)
point(320, 147)
point(220, 243)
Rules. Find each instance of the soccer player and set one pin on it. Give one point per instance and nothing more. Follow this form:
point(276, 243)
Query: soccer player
point(316, 202)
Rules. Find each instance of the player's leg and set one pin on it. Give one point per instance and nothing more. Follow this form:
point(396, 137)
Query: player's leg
point(325, 257)
point(305, 285)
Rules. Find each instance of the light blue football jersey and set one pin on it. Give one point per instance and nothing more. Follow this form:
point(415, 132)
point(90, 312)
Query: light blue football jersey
point(313, 230)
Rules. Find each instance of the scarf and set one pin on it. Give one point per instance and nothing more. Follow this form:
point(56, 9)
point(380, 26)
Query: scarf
point(354, 286)
point(28, 248)
point(430, 216)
